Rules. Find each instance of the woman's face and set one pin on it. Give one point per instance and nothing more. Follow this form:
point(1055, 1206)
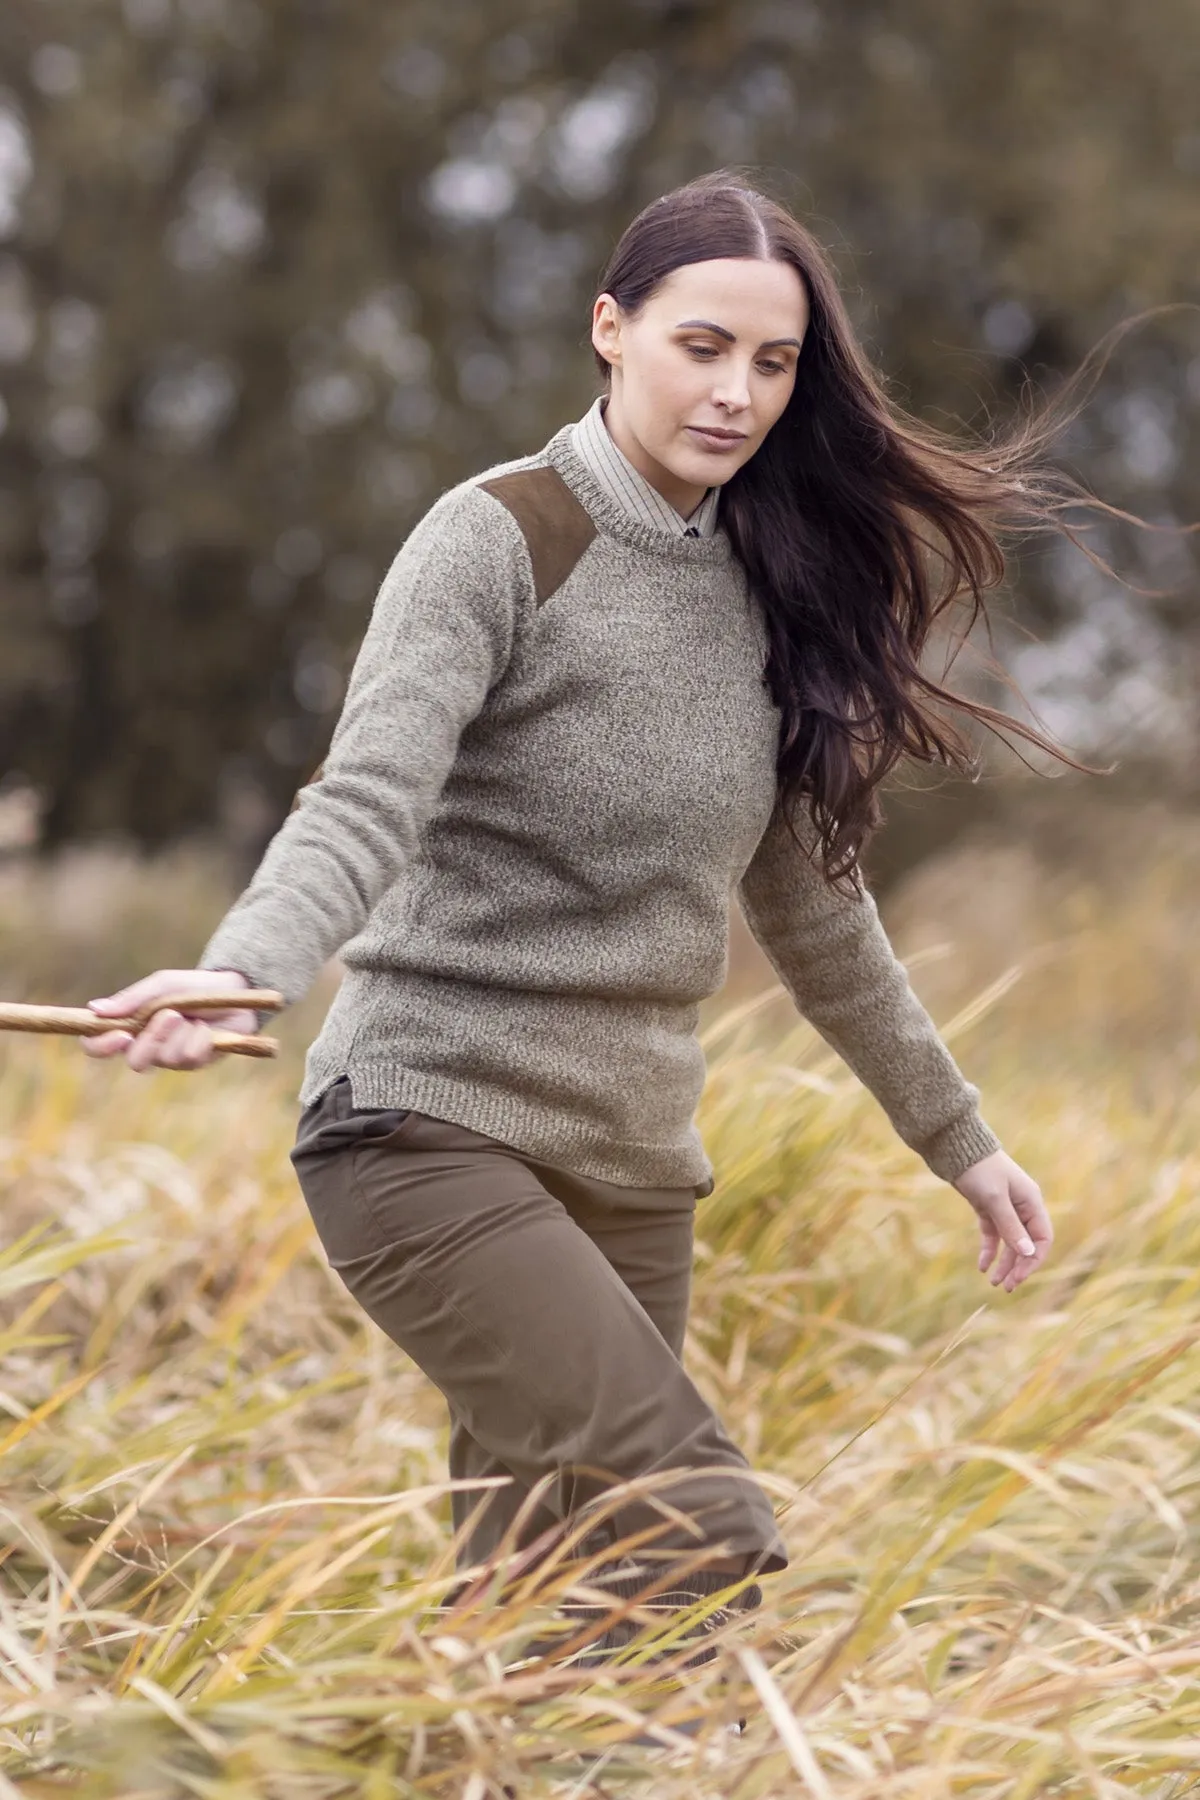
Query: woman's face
point(702, 372)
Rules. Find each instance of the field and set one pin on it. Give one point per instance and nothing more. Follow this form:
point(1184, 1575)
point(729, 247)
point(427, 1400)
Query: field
point(222, 1525)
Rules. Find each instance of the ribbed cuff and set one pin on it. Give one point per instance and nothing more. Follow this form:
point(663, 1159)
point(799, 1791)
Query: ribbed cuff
point(958, 1146)
point(251, 980)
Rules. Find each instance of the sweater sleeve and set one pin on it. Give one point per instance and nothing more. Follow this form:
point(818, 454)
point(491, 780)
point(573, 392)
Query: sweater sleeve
point(439, 638)
point(833, 956)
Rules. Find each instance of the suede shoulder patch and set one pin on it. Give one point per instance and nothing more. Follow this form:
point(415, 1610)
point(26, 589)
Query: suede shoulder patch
point(555, 526)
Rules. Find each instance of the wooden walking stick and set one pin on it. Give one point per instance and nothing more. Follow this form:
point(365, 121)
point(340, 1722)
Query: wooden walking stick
point(80, 1021)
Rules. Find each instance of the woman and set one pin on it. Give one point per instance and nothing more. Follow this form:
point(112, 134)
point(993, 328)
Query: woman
point(671, 654)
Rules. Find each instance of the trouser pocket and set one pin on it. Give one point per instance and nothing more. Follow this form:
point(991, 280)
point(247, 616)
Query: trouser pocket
point(333, 1122)
point(329, 1133)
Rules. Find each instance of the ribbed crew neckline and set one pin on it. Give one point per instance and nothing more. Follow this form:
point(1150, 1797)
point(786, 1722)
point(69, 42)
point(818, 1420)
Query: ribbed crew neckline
point(614, 521)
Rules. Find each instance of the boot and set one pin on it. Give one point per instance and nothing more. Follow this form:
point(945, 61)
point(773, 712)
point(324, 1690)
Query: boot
point(628, 1584)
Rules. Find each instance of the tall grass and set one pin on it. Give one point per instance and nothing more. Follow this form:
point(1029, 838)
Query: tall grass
point(223, 1519)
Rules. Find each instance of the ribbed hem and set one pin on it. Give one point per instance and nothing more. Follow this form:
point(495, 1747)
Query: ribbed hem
point(549, 1137)
point(958, 1146)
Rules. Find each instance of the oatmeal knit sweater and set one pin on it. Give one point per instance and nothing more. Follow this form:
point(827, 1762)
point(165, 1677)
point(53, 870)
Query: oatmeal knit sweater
point(554, 766)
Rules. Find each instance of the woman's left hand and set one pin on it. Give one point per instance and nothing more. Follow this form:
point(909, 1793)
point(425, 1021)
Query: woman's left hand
point(1011, 1213)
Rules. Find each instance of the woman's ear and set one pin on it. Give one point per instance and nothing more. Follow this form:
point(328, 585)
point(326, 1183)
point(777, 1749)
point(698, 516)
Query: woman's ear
point(606, 329)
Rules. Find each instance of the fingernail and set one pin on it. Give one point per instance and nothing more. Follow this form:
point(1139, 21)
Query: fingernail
point(1026, 1247)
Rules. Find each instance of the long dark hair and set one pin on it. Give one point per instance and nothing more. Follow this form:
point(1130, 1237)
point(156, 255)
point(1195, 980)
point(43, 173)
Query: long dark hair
point(861, 529)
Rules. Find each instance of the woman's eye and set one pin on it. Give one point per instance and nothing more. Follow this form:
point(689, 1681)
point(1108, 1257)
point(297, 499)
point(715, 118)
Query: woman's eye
point(773, 368)
point(704, 351)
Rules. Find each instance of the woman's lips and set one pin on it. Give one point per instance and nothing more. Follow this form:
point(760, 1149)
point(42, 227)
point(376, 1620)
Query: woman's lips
point(716, 440)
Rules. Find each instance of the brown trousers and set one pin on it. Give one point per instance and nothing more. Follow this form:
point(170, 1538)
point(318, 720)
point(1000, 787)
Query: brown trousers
point(549, 1308)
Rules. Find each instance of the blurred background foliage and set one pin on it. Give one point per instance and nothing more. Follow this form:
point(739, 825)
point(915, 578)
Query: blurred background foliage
point(273, 276)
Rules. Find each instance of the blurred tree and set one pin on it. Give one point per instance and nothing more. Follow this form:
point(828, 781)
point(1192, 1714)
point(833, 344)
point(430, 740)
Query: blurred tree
point(273, 277)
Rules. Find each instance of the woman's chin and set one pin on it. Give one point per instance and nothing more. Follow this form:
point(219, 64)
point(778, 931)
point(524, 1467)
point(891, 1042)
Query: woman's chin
point(697, 471)
point(705, 467)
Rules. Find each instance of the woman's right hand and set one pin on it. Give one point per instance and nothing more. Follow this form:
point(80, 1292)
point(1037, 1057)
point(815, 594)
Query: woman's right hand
point(172, 1039)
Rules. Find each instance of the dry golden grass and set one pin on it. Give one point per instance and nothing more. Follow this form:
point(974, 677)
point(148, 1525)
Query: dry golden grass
point(222, 1518)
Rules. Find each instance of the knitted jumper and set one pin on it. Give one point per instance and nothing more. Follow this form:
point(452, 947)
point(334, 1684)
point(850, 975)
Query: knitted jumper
point(554, 766)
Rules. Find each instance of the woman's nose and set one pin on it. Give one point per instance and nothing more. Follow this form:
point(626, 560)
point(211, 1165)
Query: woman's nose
point(733, 390)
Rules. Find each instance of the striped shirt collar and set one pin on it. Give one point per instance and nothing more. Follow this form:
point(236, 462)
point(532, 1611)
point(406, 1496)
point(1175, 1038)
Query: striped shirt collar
point(621, 481)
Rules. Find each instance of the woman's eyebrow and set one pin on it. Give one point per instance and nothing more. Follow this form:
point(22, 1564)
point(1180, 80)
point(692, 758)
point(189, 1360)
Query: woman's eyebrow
point(707, 325)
